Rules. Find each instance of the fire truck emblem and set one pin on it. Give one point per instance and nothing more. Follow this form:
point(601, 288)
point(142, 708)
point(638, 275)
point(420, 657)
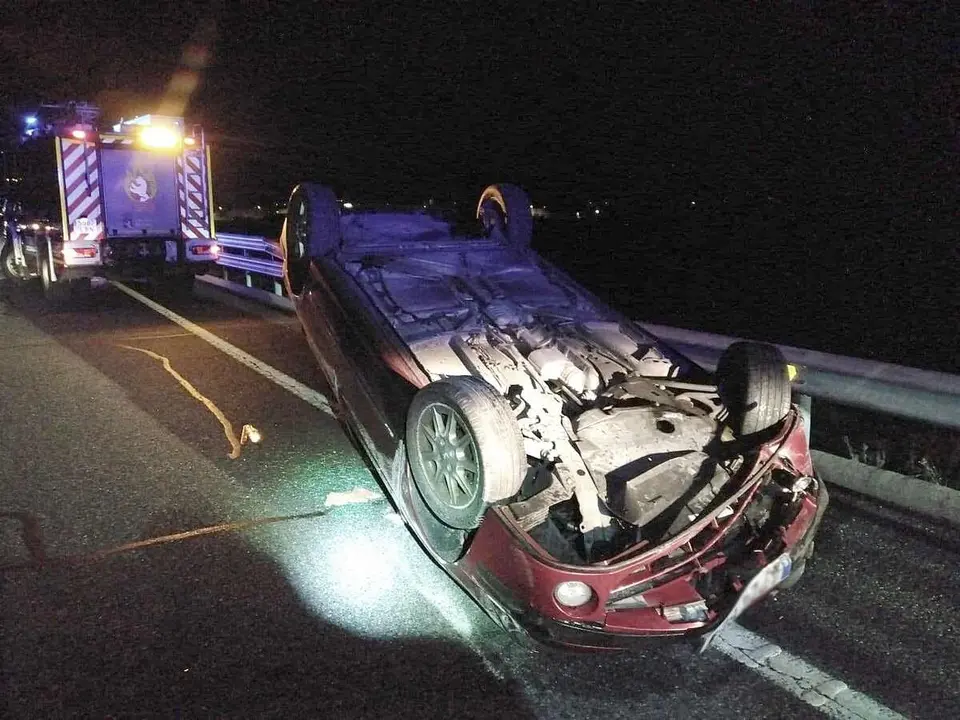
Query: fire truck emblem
point(140, 185)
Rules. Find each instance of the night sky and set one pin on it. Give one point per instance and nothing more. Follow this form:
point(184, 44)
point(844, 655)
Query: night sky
point(725, 103)
point(826, 126)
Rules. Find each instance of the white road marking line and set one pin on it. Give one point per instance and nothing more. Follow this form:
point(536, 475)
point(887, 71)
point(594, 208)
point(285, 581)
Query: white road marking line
point(308, 395)
point(798, 677)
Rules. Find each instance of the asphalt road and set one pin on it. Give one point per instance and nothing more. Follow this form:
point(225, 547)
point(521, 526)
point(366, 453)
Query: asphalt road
point(339, 613)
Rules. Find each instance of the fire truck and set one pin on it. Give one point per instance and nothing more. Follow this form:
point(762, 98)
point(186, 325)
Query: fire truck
point(129, 200)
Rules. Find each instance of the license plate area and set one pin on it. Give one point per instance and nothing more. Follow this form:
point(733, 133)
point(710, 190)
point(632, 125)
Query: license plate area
point(774, 573)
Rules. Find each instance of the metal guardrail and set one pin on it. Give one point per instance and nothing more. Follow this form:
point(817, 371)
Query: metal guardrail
point(250, 253)
point(924, 395)
point(931, 397)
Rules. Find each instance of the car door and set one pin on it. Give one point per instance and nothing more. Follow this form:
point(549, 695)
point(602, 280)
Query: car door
point(357, 350)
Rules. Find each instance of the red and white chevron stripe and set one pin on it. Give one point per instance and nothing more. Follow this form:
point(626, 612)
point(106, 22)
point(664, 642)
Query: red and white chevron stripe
point(81, 181)
point(192, 195)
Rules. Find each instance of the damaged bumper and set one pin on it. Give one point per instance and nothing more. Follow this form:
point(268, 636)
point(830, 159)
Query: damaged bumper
point(546, 623)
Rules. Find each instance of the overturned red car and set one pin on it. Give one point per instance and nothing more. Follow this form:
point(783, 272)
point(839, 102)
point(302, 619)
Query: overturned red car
point(586, 484)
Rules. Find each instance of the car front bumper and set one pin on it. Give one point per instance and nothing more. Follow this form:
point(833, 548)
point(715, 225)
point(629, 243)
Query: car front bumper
point(537, 629)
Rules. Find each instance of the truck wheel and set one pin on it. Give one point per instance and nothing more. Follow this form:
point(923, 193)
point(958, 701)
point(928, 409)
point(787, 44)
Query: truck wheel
point(8, 262)
point(311, 230)
point(55, 292)
point(505, 210)
point(754, 385)
point(465, 449)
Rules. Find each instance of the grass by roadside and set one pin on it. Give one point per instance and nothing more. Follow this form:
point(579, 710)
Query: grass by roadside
point(907, 447)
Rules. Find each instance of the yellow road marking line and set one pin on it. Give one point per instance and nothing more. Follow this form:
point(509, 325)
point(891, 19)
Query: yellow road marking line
point(228, 430)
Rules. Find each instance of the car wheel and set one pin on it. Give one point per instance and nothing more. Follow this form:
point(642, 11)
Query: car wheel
point(505, 210)
point(465, 449)
point(8, 262)
point(311, 230)
point(754, 385)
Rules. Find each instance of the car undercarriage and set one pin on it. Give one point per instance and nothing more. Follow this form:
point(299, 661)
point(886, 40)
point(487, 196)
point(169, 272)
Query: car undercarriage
point(625, 442)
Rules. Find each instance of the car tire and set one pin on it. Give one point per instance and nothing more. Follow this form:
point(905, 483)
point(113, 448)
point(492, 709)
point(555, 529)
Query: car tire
point(8, 265)
point(505, 209)
point(311, 229)
point(754, 385)
point(464, 448)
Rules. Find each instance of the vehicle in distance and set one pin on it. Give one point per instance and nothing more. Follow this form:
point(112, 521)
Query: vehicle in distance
point(584, 483)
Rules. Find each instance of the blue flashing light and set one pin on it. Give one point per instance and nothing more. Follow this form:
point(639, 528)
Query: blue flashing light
point(31, 120)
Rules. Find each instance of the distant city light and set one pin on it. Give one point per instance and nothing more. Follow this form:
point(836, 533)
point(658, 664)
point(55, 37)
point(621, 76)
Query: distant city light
point(348, 205)
point(596, 211)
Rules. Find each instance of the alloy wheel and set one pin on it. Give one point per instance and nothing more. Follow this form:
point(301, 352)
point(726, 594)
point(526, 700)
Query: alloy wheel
point(449, 455)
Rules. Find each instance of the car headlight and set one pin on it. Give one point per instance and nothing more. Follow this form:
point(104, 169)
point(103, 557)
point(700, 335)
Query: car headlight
point(573, 593)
